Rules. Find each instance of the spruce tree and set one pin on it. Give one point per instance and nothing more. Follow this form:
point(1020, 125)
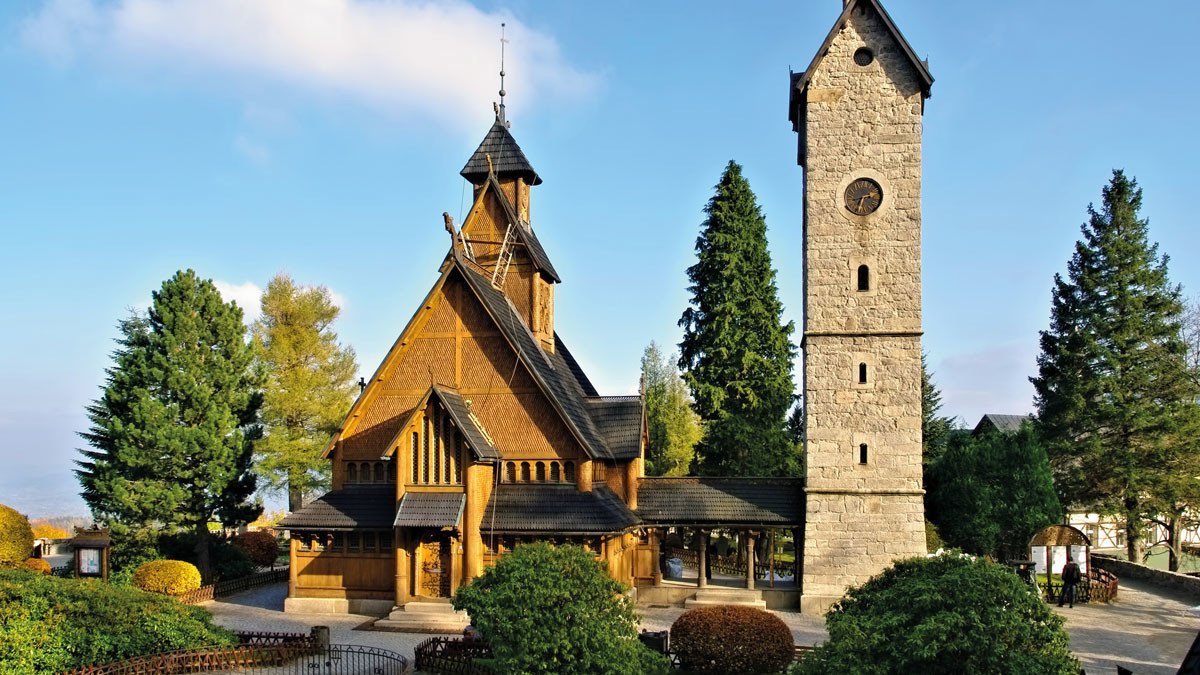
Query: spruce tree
point(736, 353)
point(309, 386)
point(1113, 390)
point(936, 432)
point(673, 426)
point(171, 434)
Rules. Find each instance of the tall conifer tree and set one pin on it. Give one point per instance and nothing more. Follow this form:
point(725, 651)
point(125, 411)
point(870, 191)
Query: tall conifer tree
point(736, 353)
point(309, 386)
point(172, 432)
point(1112, 390)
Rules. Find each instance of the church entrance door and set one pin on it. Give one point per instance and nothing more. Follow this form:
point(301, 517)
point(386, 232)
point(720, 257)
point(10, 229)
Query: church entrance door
point(435, 565)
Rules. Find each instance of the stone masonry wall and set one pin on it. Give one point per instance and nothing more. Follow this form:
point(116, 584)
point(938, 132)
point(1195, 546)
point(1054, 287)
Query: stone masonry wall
point(862, 121)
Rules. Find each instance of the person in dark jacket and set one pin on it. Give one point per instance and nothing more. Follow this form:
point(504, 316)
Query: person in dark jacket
point(1070, 577)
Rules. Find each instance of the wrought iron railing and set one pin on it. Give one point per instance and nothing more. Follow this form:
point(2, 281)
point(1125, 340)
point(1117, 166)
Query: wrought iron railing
point(262, 660)
point(453, 656)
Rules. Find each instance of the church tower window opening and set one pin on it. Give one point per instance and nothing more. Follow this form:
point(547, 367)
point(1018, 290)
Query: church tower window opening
point(862, 453)
point(862, 373)
point(864, 278)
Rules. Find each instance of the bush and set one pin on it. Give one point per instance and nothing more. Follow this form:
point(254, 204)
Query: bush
point(261, 547)
point(48, 624)
point(169, 577)
point(546, 609)
point(945, 614)
point(37, 565)
point(933, 538)
point(16, 538)
point(731, 639)
point(230, 562)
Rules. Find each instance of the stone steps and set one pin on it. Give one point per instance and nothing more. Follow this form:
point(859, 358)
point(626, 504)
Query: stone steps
point(707, 597)
point(425, 617)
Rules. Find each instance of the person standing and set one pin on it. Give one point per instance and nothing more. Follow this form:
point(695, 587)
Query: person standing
point(1070, 578)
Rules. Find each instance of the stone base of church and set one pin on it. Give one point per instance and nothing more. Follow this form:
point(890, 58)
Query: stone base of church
point(817, 605)
point(337, 606)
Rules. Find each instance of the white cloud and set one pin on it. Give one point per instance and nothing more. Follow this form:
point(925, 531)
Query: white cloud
point(438, 60)
point(248, 296)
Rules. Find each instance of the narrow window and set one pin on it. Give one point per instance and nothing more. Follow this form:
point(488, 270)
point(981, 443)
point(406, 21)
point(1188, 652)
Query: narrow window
point(448, 448)
point(512, 472)
point(438, 445)
point(391, 472)
point(377, 474)
point(364, 472)
point(864, 278)
point(336, 542)
point(353, 541)
point(425, 453)
point(541, 471)
point(368, 540)
point(416, 457)
point(862, 453)
point(524, 472)
point(555, 473)
point(385, 542)
point(862, 373)
point(351, 473)
point(569, 472)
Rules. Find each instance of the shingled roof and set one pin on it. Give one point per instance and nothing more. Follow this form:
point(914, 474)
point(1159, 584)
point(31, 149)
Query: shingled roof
point(560, 509)
point(619, 419)
point(473, 433)
point(360, 507)
point(551, 371)
point(1005, 424)
point(721, 501)
point(430, 509)
point(506, 155)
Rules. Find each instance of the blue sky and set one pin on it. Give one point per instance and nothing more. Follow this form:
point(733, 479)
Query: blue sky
point(324, 138)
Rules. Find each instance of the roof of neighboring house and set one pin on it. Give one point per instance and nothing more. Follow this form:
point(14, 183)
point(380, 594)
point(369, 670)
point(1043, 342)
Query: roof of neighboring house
point(1002, 423)
point(551, 370)
point(619, 419)
point(721, 501)
point(555, 509)
point(473, 432)
point(506, 156)
point(430, 509)
point(360, 507)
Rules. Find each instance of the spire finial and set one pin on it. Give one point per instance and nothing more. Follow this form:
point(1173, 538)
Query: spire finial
point(500, 110)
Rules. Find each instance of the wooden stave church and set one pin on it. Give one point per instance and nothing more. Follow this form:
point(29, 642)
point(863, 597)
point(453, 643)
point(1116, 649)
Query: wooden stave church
point(480, 430)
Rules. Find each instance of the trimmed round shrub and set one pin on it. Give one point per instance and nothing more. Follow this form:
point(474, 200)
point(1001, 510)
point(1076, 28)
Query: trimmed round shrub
point(547, 609)
point(944, 614)
point(731, 639)
point(169, 577)
point(37, 565)
point(52, 625)
point(260, 547)
point(16, 538)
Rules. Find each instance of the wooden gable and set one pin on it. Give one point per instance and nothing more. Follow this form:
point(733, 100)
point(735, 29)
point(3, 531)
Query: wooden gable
point(452, 342)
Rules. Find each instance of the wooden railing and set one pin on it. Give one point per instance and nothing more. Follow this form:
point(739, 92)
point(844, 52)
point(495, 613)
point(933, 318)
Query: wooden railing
point(730, 564)
point(1098, 586)
point(223, 588)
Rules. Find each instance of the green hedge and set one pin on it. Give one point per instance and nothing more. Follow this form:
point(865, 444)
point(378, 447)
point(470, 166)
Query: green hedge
point(48, 624)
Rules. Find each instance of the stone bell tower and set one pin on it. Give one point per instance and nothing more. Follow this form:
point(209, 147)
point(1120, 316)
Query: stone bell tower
point(858, 112)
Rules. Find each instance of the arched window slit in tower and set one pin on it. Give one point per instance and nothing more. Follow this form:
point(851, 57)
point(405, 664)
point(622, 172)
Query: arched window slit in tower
point(862, 453)
point(864, 278)
point(862, 373)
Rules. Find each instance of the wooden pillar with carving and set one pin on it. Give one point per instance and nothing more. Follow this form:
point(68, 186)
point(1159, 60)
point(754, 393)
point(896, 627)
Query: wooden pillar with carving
point(701, 558)
point(750, 559)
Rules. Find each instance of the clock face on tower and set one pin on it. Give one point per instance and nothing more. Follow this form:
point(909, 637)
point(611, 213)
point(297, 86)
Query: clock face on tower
point(863, 197)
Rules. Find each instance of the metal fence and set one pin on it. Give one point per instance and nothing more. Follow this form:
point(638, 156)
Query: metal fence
point(453, 656)
point(279, 659)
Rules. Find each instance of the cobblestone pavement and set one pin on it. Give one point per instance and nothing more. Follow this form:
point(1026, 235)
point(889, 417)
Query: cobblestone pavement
point(1145, 630)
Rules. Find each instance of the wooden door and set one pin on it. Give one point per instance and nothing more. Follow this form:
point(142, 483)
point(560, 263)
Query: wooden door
point(435, 567)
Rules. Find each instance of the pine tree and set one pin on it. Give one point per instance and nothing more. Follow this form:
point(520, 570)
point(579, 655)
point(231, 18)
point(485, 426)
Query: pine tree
point(674, 428)
point(1112, 389)
point(172, 432)
point(309, 386)
point(936, 432)
point(736, 353)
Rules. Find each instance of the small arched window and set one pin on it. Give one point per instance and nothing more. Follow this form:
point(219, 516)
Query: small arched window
point(541, 471)
point(525, 472)
point(364, 472)
point(569, 472)
point(864, 278)
point(862, 453)
point(862, 373)
point(555, 472)
point(391, 472)
point(351, 473)
point(511, 471)
point(377, 474)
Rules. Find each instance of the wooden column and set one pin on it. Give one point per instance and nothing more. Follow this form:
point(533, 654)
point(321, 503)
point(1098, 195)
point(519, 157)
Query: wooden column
point(293, 567)
point(656, 553)
point(400, 543)
point(701, 558)
point(749, 560)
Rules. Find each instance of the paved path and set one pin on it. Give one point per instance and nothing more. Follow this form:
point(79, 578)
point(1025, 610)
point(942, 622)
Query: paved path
point(1145, 630)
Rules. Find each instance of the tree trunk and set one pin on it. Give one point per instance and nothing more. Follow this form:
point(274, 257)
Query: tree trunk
point(203, 557)
point(1133, 537)
point(1174, 542)
point(295, 496)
